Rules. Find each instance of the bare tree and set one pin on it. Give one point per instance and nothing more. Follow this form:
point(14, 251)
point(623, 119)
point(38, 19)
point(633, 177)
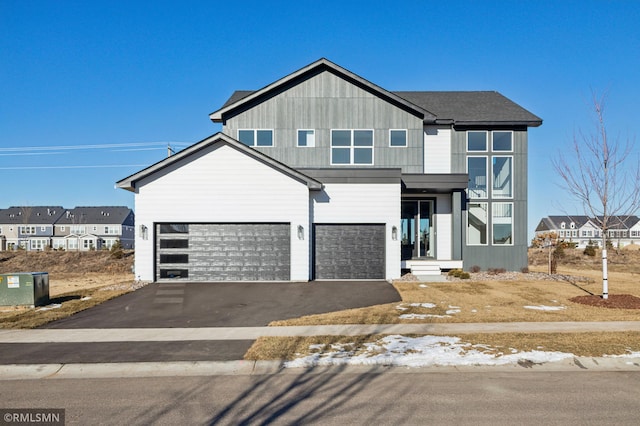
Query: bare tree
point(603, 176)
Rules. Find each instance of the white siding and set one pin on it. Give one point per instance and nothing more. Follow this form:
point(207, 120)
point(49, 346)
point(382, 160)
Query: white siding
point(363, 203)
point(222, 184)
point(437, 149)
point(444, 232)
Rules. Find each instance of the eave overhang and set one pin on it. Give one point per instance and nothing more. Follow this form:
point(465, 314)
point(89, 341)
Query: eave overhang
point(434, 182)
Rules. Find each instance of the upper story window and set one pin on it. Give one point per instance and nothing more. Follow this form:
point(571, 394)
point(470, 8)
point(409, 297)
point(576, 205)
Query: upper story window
point(306, 138)
point(502, 177)
point(78, 229)
point(502, 141)
point(397, 138)
point(352, 147)
point(476, 141)
point(477, 170)
point(27, 229)
point(256, 137)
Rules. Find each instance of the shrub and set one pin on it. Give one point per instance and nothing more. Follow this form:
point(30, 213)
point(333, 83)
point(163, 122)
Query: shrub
point(525, 270)
point(116, 250)
point(590, 250)
point(464, 275)
point(475, 269)
point(496, 271)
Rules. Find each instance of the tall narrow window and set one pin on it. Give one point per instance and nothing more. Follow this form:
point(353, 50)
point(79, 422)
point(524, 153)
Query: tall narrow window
point(502, 219)
point(477, 170)
point(477, 222)
point(502, 177)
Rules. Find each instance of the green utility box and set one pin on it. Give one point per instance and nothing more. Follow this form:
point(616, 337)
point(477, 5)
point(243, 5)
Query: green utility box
point(24, 288)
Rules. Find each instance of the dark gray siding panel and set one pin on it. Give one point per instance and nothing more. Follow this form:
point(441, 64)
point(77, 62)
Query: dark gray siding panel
point(349, 251)
point(231, 252)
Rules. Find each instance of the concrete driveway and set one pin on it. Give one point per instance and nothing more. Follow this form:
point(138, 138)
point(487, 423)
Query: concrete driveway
point(234, 304)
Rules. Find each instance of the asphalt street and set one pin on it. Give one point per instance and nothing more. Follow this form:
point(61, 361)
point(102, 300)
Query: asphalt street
point(342, 396)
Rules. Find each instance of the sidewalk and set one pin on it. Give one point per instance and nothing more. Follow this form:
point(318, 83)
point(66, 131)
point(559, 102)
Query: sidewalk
point(93, 335)
point(94, 339)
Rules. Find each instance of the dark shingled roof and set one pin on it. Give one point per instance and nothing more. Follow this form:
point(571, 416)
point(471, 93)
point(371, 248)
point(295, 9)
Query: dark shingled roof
point(31, 215)
point(472, 107)
point(461, 108)
point(107, 215)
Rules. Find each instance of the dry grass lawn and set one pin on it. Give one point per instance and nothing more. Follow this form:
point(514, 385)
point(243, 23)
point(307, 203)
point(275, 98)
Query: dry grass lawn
point(77, 281)
point(494, 301)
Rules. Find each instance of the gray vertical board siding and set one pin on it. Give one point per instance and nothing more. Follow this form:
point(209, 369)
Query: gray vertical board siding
point(232, 252)
point(513, 257)
point(349, 251)
point(324, 102)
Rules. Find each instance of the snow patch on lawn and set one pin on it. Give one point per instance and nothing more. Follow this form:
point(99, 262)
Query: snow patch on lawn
point(546, 308)
point(49, 307)
point(423, 351)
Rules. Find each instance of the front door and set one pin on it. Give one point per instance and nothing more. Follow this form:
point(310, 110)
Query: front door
point(417, 228)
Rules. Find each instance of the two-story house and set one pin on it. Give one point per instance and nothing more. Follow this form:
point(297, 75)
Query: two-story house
point(94, 228)
point(582, 230)
point(28, 227)
point(325, 175)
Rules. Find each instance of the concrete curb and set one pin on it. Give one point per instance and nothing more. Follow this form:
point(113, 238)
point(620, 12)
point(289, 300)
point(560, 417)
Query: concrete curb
point(218, 368)
point(89, 335)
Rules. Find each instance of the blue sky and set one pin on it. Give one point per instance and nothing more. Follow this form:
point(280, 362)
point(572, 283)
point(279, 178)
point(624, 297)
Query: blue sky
point(91, 92)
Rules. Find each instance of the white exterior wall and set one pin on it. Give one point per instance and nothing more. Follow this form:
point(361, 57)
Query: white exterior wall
point(363, 203)
point(437, 149)
point(444, 232)
point(221, 184)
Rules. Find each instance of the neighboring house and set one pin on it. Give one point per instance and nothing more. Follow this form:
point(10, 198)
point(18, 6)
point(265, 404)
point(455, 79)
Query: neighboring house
point(581, 230)
point(28, 227)
point(94, 228)
point(81, 228)
point(324, 175)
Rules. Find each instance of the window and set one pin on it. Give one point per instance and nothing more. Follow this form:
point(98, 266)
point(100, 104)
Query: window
point(561, 233)
point(111, 230)
point(476, 141)
point(43, 229)
point(76, 229)
point(398, 138)
point(72, 244)
point(502, 141)
point(477, 169)
point(59, 244)
point(87, 244)
point(38, 244)
point(477, 220)
point(28, 230)
point(174, 258)
point(502, 219)
point(306, 138)
point(174, 228)
point(252, 137)
point(352, 147)
point(502, 177)
point(62, 228)
point(174, 243)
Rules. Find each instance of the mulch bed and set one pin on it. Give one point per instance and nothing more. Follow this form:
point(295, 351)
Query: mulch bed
point(616, 301)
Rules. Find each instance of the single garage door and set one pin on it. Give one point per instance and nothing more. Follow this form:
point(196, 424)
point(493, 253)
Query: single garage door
point(223, 251)
point(349, 251)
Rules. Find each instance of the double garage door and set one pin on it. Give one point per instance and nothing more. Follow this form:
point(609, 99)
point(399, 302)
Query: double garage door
point(223, 251)
point(262, 251)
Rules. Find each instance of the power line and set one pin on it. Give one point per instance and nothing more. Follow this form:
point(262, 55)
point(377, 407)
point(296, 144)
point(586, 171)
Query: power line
point(25, 149)
point(104, 166)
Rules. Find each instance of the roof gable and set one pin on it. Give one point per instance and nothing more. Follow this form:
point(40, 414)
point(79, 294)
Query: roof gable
point(129, 183)
point(243, 100)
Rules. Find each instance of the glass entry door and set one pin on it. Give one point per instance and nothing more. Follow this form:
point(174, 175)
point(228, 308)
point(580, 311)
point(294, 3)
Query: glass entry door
point(417, 230)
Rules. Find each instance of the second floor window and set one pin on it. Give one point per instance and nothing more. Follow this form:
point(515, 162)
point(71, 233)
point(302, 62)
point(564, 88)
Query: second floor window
point(27, 229)
point(306, 138)
point(352, 147)
point(256, 137)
